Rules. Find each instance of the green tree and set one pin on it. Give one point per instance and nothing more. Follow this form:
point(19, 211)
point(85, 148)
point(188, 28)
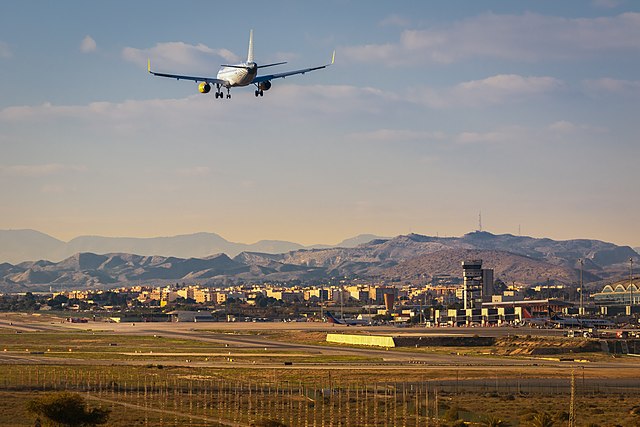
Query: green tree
point(66, 409)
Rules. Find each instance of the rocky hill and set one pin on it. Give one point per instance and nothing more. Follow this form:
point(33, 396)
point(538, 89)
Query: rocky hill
point(411, 258)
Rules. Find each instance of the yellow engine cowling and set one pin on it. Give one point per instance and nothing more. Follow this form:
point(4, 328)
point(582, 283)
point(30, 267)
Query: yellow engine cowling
point(266, 85)
point(204, 87)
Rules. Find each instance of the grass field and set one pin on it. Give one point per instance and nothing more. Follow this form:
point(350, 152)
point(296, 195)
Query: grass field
point(146, 380)
point(195, 397)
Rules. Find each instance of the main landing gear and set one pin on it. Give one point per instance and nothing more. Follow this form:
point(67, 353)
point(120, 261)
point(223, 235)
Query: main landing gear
point(219, 93)
point(259, 92)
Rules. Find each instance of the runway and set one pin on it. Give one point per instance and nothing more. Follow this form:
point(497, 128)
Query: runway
point(247, 347)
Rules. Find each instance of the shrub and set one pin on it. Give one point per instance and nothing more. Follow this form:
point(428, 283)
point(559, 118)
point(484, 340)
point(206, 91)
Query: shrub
point(67, 409)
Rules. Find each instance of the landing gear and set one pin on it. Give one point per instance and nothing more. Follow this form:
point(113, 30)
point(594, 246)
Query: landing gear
point(219, 93)
point(261, 87)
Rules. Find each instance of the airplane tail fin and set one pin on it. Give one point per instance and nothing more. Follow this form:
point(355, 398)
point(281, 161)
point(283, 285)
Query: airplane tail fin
point(250, 53)
point(332, 319)
point(553, 315)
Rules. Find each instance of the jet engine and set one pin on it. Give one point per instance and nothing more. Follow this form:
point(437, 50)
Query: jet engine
point(266, 85)
point(204, 87)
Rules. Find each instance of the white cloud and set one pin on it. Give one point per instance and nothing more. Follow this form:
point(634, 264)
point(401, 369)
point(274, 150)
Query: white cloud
point(566, 127)
point(293, 101)
point(612, 86)
point(527, 37)
point(5, 51)
point(397, 135)
point(332, 99)
point(178, 55)
point(557, 131)
point(36, 171)
point(88, 45)
point(285, 101)
point(561, 131)
point(563, 126)
point(498, 89)
point(606, 4)
point(195, 171)
point(492, 137)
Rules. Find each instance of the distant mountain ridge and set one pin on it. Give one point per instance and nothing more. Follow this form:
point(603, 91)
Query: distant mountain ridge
point(409, 258)
point(24, 245)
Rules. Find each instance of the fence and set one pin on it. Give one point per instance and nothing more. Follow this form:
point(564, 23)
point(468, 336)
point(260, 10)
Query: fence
point(180, 399)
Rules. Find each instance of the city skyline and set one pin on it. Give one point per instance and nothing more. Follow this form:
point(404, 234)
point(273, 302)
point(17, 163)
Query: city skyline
point(432, 113)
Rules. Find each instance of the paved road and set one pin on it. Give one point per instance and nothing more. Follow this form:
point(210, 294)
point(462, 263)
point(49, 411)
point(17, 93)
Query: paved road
point(21, 325)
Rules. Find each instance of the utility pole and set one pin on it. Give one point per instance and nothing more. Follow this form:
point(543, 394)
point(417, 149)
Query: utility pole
point(630, 283)
point(581, 312)
point(321, 306)
point(341, 302)
point(369, 300)
point(425, 307)
point(572, 405)
point(420, 305)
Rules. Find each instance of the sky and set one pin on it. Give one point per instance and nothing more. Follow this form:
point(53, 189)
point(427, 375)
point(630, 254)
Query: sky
point(434, 112)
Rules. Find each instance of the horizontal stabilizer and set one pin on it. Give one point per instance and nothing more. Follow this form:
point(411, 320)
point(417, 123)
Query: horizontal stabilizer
point(271, 65)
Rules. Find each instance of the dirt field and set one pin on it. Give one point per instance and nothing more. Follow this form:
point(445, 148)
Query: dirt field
point(237, 374)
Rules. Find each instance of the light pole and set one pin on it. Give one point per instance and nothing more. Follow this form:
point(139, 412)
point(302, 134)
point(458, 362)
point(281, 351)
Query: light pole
point(630, 283)
point(369, 300)
point(581, 313)
point(321, 306)
point(341, 302)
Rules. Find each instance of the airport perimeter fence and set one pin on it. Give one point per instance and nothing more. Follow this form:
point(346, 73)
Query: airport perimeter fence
point(179, 399)
point(541, 386)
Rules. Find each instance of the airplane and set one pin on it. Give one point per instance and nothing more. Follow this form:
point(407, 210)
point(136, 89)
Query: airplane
point(577, 322)
point(558, 321)
point(238, 75)
point(349, 322)
point(529, 320)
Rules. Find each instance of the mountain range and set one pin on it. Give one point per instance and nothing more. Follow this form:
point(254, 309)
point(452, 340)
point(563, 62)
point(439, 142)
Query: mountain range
point(409, 258)
point(30, 245)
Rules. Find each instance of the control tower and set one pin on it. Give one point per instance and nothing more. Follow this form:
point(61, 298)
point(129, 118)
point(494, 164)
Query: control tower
point(478, 283)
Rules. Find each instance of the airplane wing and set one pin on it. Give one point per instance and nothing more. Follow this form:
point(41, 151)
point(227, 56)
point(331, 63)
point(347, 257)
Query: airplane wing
point(266, 77)
point(210, 80)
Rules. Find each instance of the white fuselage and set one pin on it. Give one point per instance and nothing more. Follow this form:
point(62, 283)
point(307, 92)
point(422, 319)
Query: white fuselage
point(237, 76)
